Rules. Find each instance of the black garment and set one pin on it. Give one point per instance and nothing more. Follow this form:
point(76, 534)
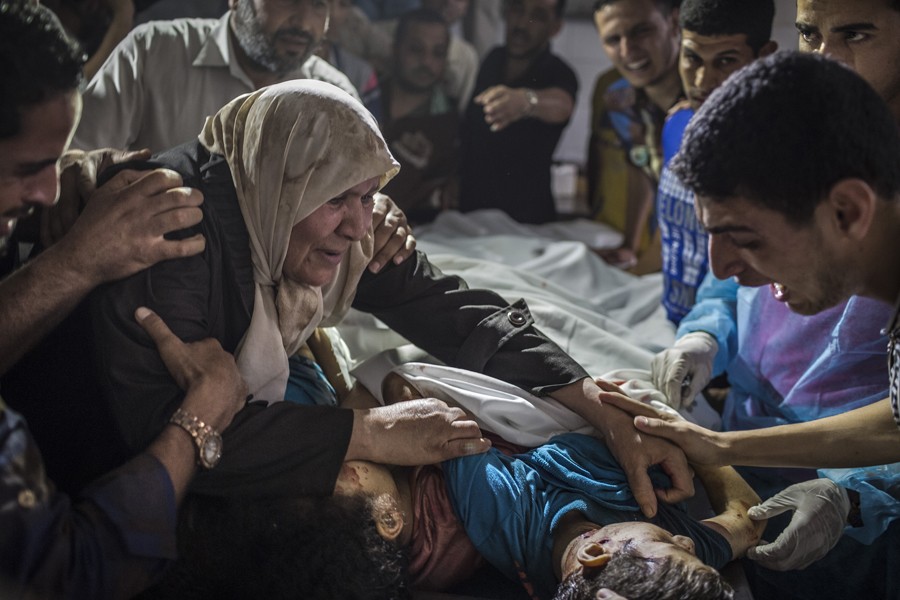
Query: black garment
point(510, 169)
point(426, 144)
point(286, 449)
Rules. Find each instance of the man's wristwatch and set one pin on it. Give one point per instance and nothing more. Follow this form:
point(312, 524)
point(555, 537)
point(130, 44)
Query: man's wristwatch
point(207, 439)
point(532, 98)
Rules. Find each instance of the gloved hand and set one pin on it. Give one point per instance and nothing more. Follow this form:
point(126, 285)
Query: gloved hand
point(820, 514)
point(684, 369)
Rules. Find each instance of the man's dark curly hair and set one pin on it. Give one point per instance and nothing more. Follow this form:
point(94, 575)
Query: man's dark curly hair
point(752, 18)
point(38, 60)
point(416, 16)
point(665, 6)
point(309, 548)
point(638, 578)
point(786, 128)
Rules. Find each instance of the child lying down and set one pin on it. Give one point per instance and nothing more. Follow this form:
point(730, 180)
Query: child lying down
point(561, 512)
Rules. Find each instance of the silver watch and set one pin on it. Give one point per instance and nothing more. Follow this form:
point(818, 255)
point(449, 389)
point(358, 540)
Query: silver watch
point(207, 439)
point(532, 98)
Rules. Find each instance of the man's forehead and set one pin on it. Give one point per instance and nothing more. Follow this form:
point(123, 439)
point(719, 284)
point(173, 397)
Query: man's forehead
point(841, 12)
point(726, 214)
point(713, 44)
point(627, 13)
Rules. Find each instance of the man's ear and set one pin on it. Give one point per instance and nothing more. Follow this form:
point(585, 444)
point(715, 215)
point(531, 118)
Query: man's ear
point(592, 558)
point(232, 4)
point(673, 18)
point(388, 518)
point(768, 48)
point(852, 204)
point(558, 27)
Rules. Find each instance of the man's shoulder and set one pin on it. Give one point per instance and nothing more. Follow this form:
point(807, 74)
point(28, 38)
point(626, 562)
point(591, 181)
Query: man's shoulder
point(461, 50)
point(558, 71)
point(320, 70)
point(175, 30)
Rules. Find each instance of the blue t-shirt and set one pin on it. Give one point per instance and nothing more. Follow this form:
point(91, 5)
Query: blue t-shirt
point(510, 505)
point(684, 241)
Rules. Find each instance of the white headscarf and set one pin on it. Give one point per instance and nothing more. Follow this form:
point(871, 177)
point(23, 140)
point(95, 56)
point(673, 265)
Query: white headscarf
point(291, 148)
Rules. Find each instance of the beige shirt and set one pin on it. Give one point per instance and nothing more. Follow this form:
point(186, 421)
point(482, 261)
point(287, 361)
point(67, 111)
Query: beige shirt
point(162, 81)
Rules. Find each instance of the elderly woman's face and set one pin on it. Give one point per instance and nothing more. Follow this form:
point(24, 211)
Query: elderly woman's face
point(320, 241)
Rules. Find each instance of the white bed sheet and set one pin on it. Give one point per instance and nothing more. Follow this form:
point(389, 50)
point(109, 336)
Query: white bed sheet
point(603, 317)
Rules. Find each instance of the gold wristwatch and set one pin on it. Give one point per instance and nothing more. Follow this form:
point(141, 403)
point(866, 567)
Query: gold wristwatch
point(207, 439)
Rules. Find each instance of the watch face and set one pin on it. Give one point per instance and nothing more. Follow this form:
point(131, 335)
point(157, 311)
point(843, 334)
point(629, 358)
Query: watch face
point(211, 451)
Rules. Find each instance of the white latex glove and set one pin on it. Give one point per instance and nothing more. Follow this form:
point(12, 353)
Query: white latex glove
point(820, 514)
point(684, 369)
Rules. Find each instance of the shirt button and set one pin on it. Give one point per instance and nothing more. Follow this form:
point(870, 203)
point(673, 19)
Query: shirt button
point(27, 499)
point(516, 318)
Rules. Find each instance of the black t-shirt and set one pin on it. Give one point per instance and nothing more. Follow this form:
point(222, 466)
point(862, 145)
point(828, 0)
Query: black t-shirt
point(510, 169)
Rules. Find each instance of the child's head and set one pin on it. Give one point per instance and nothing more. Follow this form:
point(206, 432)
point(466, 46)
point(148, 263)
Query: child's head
point(310, 548)
point(638, 560)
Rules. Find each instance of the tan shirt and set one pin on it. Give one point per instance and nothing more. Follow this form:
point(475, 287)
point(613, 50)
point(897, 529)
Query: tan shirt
point(162, 81)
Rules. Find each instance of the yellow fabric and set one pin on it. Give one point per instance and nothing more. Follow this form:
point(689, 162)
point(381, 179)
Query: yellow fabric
point(292, 147)
point(609, 200)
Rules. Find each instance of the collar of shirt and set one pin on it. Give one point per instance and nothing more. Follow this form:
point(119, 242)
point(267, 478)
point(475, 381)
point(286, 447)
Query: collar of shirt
point(217, 51)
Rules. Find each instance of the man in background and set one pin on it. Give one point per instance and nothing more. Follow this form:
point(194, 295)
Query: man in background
point(166, 77)
point(641, 39)
point(523, 99)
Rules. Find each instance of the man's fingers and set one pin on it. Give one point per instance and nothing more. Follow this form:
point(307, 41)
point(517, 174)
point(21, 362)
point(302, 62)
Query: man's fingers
point(146, 183)
point(166, 216)
point(467, 446)
point(170, 249)
point(769, 509)
point(629, 405)
point(155, 327)
point(763, 552)
point(608, 386)
point(115, 157)
point(682, 476)
point(658, 427)
point(642, 488)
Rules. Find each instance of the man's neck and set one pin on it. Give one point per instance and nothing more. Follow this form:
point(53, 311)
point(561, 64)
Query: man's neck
point(884, 258)
point(666, 91)
point(570, 526)
point(404, 100)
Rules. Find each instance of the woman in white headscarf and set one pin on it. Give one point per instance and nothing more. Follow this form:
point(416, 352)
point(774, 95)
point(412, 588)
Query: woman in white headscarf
point(288, 173)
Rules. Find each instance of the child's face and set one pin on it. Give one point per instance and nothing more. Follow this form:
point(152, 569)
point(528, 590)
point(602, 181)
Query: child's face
point(636, 537)
point(364, 477)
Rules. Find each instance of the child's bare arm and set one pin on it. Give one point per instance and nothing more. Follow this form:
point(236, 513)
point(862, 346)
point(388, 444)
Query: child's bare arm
point(359, 397)
point(731, 497)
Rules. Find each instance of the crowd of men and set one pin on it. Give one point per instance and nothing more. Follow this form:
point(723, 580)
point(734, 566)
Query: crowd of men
point(770, 180)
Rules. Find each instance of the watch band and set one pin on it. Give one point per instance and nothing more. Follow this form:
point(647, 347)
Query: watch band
point(206, 439)
point(532, 98)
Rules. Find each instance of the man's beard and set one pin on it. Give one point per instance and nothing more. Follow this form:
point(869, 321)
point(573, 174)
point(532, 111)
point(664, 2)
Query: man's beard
point(259, 47)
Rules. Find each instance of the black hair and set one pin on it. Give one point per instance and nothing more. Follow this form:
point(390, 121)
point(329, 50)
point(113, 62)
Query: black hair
point(38, 60)
point(559, 9)
point(638, 578)
point(665, 6)
point(309, 548)
point(752, 18)
point(783, 130)
point(417, 16)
